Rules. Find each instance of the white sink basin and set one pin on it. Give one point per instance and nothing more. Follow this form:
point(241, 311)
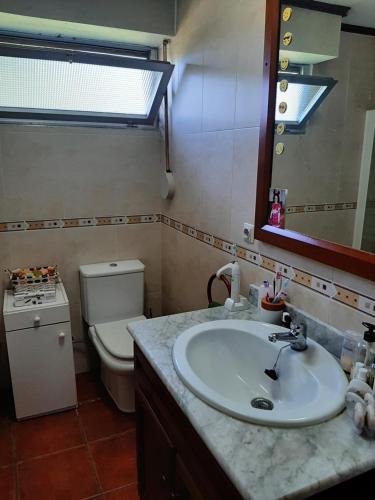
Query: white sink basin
point(223, 363)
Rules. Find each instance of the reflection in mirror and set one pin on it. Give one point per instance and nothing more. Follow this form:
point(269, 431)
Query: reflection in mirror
point(325, 124)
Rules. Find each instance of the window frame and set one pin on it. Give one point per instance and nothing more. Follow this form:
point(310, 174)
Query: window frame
point(326, 81)
point(100, 55)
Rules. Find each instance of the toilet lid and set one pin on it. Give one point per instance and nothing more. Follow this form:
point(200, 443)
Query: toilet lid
point(115, 337)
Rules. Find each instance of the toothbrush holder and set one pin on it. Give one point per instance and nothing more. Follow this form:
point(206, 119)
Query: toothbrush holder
point(272, 313)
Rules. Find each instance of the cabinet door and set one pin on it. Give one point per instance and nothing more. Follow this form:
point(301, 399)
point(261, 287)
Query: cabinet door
point(42, 369)
point(155, 454)
point(185, 485)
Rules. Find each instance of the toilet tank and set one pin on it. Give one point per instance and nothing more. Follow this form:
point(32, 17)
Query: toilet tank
point(112, 291)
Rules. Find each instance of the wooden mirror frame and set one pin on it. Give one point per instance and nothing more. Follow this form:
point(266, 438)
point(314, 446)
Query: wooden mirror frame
point(348, 259)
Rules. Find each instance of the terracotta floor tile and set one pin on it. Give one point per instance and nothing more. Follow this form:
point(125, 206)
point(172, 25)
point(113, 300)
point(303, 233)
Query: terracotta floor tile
point(115, 460)
point(101, 419)
point(5, 443)
point(47, 434)
point(62, 476)
point(6, 483)
point(89, 386)
point(127, 493)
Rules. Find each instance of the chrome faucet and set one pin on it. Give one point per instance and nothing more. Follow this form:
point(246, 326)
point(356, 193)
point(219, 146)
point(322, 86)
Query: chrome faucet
point(296, 337)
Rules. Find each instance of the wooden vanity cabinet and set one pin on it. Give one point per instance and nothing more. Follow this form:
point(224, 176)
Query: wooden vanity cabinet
point(173, 461)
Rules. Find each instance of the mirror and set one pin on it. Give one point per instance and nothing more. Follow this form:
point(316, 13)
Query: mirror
point(323, 164)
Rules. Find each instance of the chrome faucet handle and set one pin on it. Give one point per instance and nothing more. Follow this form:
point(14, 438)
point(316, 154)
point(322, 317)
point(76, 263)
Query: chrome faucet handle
point(298, 329)
point(296, 337)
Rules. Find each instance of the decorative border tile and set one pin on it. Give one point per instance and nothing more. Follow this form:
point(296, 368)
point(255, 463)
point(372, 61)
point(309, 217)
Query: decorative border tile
point(32, 225)
point(298, 209)
point(346, 296)
point(103, 221)
point(15, 226)
point(316, 284)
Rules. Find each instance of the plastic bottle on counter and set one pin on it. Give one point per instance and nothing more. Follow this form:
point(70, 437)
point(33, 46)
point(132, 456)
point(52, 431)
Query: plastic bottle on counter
point(369, 337)
point(353, 350)
point(263, 292)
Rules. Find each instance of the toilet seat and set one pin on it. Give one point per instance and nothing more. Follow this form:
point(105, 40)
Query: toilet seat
point(116, 339)
point(118, 356)
point(114, 346)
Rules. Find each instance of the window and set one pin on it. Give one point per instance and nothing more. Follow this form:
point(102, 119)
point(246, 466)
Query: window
point(65, 83)
point(303, 96)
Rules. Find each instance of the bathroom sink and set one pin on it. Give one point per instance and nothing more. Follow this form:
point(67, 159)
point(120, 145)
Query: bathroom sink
point(223, 363)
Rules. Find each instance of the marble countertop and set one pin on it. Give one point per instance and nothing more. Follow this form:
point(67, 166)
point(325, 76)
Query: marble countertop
point(264, 463)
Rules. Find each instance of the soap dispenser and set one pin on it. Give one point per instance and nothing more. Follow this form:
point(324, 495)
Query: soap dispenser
point(369, 337)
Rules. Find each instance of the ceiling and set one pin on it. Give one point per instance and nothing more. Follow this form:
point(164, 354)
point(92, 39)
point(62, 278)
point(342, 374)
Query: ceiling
point(362, 12)
point(69, 31)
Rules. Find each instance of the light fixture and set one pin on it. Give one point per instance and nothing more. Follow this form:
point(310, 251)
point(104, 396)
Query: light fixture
point(303, 96)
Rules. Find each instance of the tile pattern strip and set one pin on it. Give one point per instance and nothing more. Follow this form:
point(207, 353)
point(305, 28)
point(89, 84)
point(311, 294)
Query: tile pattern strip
point(316, 284)
point(324, 207)
point(31, 225)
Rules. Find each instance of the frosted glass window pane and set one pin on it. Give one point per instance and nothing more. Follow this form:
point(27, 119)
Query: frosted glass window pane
point(300, 98)
point(38, 84)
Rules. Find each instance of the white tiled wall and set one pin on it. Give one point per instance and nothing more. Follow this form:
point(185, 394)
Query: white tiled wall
point(218, 52)
point(55, 172)
point(215, 107)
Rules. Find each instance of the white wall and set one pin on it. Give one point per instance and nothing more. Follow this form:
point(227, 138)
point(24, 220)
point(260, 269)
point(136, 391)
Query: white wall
point(65, 172)
point(216, 97)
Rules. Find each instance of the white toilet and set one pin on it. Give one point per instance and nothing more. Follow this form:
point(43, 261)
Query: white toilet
point(112, 296)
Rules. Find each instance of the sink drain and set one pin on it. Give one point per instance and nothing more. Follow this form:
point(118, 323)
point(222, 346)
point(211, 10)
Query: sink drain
point(262, 404)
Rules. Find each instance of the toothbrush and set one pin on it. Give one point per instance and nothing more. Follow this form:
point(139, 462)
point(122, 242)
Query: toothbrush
point(278, 282)
point(283, 288)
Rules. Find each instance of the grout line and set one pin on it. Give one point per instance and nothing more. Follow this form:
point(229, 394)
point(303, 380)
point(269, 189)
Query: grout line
point(119, 488)
point(16, 485)
point(113, 490)
point(112, 436)
point(16, 488)
point(86, 444)
point(88, 401)
point(51, 453)
point(91, 458)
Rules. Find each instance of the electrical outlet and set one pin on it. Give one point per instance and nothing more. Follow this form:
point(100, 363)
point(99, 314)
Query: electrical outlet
point(248, 232)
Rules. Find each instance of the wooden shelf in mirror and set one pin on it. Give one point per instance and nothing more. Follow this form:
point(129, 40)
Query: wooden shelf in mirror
point(348, 259)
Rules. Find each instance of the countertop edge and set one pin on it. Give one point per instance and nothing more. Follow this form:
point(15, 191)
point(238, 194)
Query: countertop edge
point(314, 487)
